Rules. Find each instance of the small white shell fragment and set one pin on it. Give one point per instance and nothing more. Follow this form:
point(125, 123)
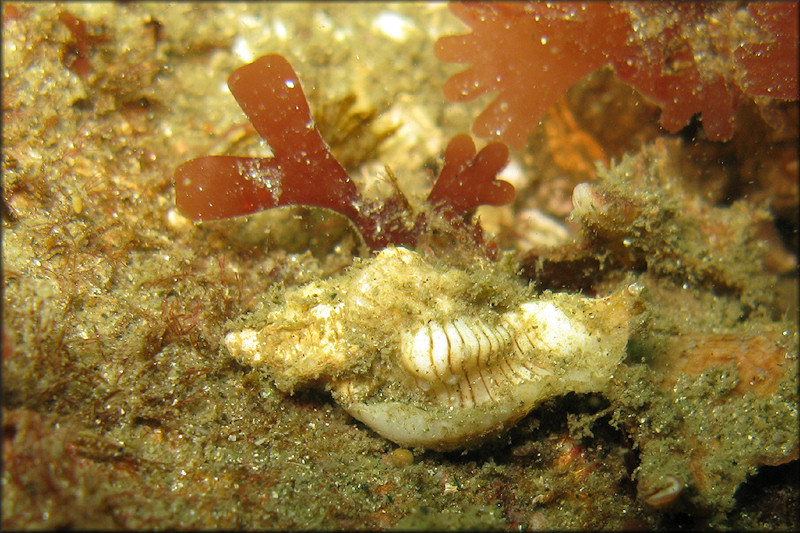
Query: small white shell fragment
point(429, 355)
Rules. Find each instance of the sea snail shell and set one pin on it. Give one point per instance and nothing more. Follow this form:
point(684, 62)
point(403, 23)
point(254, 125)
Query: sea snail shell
point(433, 356)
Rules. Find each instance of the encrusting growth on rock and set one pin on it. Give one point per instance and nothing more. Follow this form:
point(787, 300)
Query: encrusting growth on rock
point(302, 170)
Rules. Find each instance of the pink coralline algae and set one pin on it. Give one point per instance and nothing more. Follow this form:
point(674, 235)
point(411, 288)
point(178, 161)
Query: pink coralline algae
point(686, 57)
point(302, 170)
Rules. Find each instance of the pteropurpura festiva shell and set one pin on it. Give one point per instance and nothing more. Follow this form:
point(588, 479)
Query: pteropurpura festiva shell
point(435, 356)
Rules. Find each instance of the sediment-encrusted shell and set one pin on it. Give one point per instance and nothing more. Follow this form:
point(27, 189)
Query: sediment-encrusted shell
point(435, 356)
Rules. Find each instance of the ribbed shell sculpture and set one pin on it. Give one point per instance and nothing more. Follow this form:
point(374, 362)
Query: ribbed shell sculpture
point(434, 356)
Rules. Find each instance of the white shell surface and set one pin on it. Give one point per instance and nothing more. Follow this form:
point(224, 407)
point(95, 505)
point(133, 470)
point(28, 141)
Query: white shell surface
point(435, 356)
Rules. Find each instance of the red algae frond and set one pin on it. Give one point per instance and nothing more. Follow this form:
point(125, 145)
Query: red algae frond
point(76, 53)
point(687, 58)
point(468, 180)
point(216, 187)
point(303, 171)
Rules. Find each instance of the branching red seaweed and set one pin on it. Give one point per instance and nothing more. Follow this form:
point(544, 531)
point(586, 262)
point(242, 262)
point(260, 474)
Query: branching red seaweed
point(302, 170)
point(76, 53)
point(468, 180)
point(687, 57)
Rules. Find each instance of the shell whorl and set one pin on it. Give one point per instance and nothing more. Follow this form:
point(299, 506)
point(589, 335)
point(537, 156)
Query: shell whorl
point(431, 355)
point(467, 361)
